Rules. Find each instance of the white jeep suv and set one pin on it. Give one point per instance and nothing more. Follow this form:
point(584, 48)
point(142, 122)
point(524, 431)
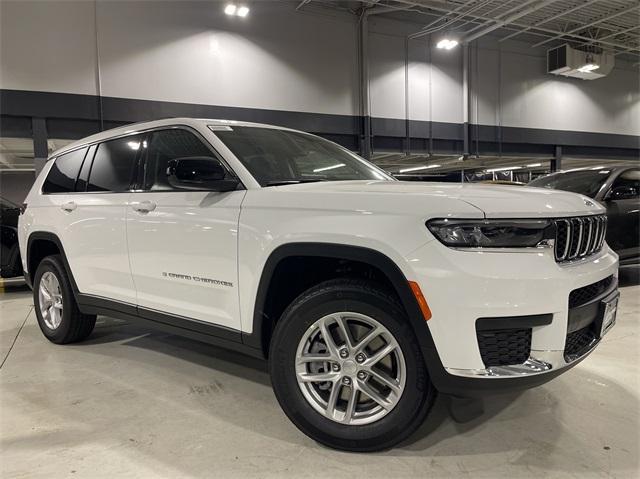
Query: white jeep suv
point(366, 294)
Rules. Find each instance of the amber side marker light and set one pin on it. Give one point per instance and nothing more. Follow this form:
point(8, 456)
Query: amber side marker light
point(422, 302)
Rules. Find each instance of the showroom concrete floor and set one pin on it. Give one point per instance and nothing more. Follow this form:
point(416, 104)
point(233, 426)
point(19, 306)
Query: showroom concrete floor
point(138, 404)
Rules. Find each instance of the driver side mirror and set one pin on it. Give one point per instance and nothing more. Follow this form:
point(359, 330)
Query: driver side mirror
point(200, 173)
point(623, 193)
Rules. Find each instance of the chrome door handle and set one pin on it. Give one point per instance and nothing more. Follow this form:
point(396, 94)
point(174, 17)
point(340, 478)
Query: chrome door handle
point(144, 206)
point(69, 206)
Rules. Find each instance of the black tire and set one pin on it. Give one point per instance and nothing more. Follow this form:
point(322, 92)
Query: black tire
point(74, 326)
point(368, 299)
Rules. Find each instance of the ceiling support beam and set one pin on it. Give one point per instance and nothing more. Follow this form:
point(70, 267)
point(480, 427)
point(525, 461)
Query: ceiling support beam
point(595, 22)
point(536, 30)
point(612, 34)
point(507, 20)
point(548, 19)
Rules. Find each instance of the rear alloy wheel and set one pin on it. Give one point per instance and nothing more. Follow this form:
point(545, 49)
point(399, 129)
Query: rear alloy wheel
point(50, 300)
point(56, 309)
point(346, 367)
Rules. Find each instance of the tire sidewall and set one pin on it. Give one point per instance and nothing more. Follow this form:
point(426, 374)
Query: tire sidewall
point(385, 432)
point(52, 264)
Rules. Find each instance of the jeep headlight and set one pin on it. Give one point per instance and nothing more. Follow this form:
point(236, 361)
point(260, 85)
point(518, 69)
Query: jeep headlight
point(490, 233)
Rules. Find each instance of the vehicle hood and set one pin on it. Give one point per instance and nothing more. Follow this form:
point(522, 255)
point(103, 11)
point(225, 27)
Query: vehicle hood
point(495, 201)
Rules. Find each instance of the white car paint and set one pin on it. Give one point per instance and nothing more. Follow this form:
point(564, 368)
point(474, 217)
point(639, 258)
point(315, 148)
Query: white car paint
point(117, 252)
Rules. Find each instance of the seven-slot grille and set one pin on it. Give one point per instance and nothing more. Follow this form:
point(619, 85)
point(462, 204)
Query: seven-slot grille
point(579, 236)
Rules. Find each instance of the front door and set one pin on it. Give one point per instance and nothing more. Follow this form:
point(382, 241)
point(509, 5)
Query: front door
point(183, 243)
point(623, 213)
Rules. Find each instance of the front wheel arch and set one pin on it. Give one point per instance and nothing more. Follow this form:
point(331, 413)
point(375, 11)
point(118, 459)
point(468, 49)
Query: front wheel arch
point(263, 326)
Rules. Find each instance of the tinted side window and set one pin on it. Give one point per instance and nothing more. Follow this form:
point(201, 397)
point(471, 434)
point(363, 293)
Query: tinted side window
point(114, 164)
point(166, 145)
point(63, 173)
point(629, 179)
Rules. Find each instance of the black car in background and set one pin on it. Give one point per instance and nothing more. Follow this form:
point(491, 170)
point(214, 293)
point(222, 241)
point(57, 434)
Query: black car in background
point(10, 264)
point(618, 189)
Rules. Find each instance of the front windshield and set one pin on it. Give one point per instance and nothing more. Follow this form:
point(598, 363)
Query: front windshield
point(585, 182)
point(277, 157)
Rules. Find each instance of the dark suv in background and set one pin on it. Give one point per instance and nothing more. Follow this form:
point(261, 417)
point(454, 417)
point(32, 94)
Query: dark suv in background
point(618, 189)
point(10, 264)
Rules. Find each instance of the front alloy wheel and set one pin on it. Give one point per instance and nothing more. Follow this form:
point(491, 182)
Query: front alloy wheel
point(350, 368)
point(346, 367)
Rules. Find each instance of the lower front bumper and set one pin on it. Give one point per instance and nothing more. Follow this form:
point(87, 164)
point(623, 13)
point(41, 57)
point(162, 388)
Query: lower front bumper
point(540, 362)
point(542, 365)
point(481, 386)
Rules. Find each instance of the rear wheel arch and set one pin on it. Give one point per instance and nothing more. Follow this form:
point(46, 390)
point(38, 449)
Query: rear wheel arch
point(395, 281)
point(42, 244)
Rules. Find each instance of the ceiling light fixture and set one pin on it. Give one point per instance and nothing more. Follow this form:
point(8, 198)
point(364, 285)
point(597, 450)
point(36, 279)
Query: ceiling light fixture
point(233, 9)
point(533, 165)
point(447, 44)
point(506, 168)
point(589, 67)
point(418, 168)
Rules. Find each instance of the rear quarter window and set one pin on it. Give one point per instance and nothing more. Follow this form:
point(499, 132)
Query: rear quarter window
point(62, 175)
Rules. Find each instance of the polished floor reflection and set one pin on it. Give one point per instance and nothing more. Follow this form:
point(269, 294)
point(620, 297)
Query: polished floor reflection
point(138, 404)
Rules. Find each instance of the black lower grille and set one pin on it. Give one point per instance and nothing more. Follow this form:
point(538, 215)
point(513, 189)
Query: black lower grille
point(583, 295)
point(504, 346)
point(578, 341)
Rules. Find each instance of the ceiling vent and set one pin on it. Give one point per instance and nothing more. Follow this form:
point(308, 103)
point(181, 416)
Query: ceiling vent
point(569, 62)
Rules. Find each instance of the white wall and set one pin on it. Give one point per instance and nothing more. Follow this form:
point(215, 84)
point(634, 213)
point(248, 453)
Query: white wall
point(47, 46)
point(512, 84)
point(185, 52)
point(509, 80)
point(191, 52)
point(277, 58)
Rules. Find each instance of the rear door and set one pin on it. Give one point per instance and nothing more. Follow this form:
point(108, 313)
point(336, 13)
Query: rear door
point(182, 242)
point(94, 233)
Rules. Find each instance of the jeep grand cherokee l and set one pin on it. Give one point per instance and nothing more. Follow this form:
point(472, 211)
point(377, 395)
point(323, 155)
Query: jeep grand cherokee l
point(366, 294)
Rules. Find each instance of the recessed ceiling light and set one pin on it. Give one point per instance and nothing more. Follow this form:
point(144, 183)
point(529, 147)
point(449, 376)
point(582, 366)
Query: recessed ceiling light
point(243, 11)
point(230, 9)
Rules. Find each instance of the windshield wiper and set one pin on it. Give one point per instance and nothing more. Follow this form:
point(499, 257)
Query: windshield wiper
point(293, 182)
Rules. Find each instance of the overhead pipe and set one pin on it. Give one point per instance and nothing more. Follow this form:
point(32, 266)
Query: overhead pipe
point(365, 95)
point(465, 100)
